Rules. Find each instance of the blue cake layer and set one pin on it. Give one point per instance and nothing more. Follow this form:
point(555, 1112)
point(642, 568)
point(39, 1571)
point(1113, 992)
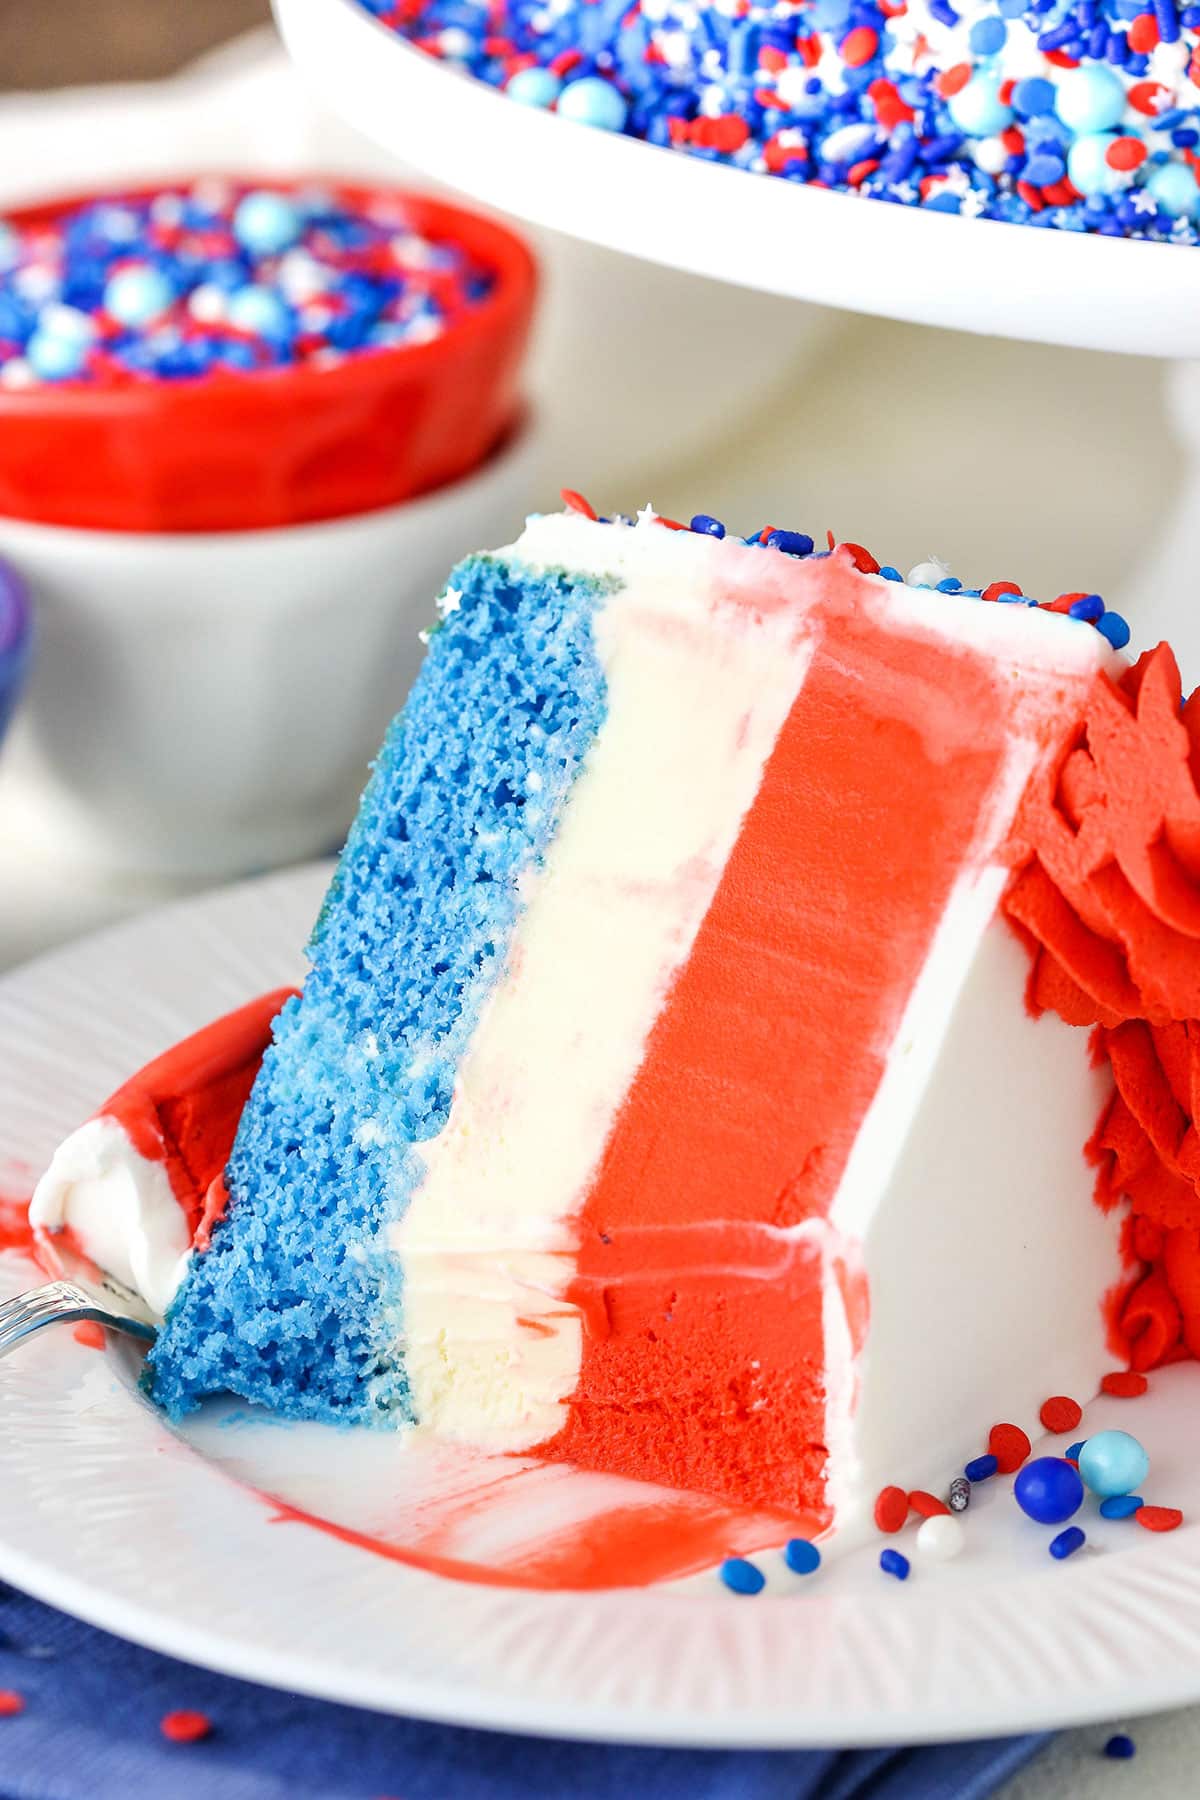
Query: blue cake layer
point(298, 1302)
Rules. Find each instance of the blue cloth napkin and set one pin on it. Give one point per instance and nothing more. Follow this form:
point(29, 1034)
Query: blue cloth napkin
point(14, 640)
point(90, 1730)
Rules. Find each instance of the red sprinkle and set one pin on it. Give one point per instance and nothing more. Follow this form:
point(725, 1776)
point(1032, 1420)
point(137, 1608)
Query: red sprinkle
point(928, 1505)
point(862, 559)
point(1010, 1446)
point(11, 1703)
point(890, 109)
point(574, 503)
point(1148, 97)
point(891, 1509)
point(994, 590)
point(1125, 1384)
point(952, 81)
point(1060, 1413)
point(1159, 1518)
point(1126, 153)
point(90, 1335)
point(185, 1727)
point(859, 46)
point(1143, 33)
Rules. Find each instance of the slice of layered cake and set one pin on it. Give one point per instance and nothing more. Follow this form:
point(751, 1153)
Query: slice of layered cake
point(674, 1091)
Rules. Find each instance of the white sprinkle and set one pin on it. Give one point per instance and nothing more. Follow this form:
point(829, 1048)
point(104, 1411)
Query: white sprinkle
point(206, 303)
point(928, 573)
point(940, 1538)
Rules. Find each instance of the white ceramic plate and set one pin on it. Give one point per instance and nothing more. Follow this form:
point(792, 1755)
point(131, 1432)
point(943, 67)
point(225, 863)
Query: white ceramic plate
point(107, 1513)
point(1055, 287)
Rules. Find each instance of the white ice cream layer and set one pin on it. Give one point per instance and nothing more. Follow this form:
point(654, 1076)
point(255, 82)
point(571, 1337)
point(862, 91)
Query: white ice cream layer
point(120, 1206)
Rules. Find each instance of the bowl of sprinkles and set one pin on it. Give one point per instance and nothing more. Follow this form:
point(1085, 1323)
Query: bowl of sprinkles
point(245, 426)
point(233, 355)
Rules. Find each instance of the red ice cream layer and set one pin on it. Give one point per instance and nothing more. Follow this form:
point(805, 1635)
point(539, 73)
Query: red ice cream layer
point(1107, 895)
point(704, 1354)
point(183, 1109)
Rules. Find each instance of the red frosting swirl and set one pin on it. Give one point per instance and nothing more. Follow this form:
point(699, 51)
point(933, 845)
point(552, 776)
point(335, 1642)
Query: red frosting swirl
point(1106, 893)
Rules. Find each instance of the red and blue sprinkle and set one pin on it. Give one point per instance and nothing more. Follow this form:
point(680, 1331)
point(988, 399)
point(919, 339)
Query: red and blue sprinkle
point(1077, 115)
point(219, 277)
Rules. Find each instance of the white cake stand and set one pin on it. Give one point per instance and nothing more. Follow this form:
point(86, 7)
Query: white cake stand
point(809, 243)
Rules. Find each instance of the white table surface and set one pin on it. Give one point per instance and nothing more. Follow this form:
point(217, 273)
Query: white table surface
point(1049, 467)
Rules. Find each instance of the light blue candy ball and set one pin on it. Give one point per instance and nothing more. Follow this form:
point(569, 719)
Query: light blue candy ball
point(1090, 98)
point(593, 101)
point(978, 109)
point(267, 224)
point(137, 294)
point(257, 309)
point(1112, 1462)
point(55, 358)
point(1174, 188)
point(534, 87)
point(67, 322)
point(1088, 167)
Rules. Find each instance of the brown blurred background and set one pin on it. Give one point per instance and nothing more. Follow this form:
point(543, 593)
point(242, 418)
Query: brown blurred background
point(54, 43)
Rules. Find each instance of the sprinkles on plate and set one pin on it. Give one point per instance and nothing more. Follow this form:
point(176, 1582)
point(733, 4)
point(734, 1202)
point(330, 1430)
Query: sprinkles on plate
point(1080, 115)
point(220, 277)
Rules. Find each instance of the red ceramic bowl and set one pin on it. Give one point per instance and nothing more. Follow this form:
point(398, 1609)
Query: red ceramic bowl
point(238, 452)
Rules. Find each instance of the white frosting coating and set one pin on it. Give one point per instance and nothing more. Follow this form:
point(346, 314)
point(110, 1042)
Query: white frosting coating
point(120, 1206)
point(697, 691)
point(985, 1254)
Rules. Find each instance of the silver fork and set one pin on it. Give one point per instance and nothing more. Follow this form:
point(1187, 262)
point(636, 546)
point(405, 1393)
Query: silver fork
point(89, 1295)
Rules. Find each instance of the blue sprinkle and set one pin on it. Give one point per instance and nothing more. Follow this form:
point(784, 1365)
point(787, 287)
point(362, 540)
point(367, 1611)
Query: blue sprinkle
point(741, 1577)
point(1120, 1747)
point(981, 1468)
point(892, 1563)
point(890, 574)
point(1058, 38)
point(1043, 170)
point(1072, 1452)
point(949, 585)
point(1115, 629)
point(792, 543)
point(1121, 1506)
point(1167, 14)
point(1032, 96)
point(1090, 609)
point(707, 526)
point(801, 1556)
point(1067, 1542)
